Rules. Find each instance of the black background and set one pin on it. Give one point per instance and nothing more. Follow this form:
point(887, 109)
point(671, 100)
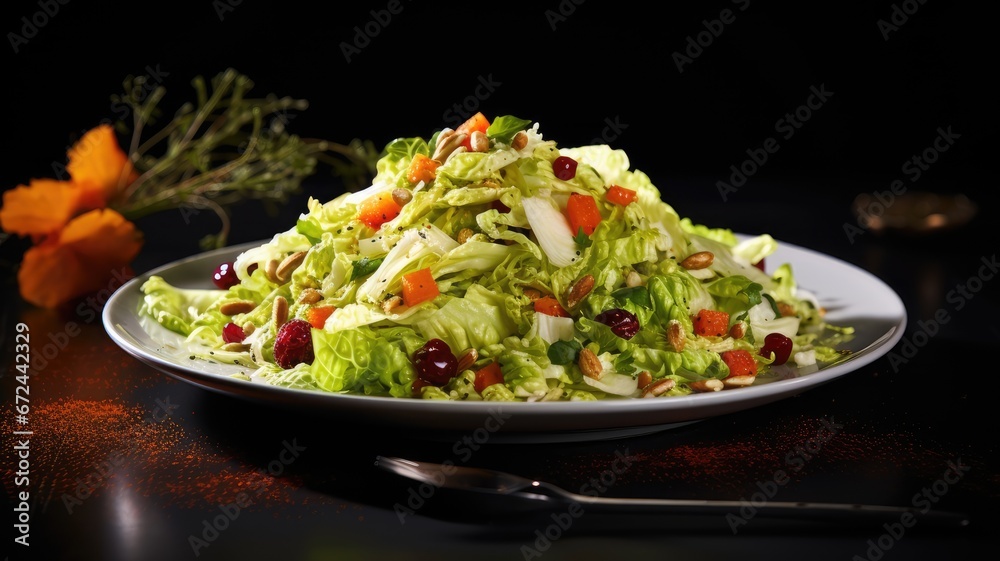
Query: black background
point(572, 67)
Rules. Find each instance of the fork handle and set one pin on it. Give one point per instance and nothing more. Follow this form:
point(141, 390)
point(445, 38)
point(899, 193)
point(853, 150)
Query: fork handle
point(806, 511)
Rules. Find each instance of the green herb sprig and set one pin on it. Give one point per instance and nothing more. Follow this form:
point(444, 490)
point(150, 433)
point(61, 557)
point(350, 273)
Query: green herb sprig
point(223, 149)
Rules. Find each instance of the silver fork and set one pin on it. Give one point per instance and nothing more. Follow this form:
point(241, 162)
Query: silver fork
point(494, 482)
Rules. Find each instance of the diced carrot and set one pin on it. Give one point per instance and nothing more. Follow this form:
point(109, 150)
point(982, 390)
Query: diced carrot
point(619, 195)
point(378, 209)
point(550, 306)
point(487, 376)
point(582, 212)
point(419, 286)
point(740, 362)
point(422, 168)
point(477, 122)
point(711, 323)
point(317, 315)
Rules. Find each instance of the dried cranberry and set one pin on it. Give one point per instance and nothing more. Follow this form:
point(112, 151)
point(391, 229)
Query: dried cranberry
point(435, 363)
point(623, 323)
point(293, 344)
point(225, 276)
point(564, 167)
point(778, 344)
point(232, 333)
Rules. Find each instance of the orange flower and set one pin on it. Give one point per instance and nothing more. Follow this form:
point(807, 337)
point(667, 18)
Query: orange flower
point(99, 170)
point(79, 259)
point(99, 167)
point(74, 253)
point(38, 209)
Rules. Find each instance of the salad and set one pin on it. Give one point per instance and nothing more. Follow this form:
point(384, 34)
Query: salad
point(488, 263)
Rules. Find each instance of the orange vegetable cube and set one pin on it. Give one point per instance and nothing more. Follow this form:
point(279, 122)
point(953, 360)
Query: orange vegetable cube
point(550, 306)
point(419, 286)
point(377, 210)
point(422, 168)
point(317, 316)
point(711, 323)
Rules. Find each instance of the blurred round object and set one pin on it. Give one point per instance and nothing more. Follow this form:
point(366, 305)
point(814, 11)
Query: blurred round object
point(913, 212)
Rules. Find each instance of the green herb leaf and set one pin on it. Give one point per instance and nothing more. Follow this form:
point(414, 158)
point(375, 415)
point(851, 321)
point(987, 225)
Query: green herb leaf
point(310, 230)
point(564, 352)
point(753, 293)
point(774, 305)
point(505, 127)
point(638, 295)
point(623, 362)
point(365, 266)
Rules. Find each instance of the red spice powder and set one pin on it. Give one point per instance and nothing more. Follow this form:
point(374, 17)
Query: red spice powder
point(726, 464)
point(78, 445)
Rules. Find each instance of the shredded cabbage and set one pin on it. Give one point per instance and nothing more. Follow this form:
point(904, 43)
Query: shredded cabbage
point(516, 284)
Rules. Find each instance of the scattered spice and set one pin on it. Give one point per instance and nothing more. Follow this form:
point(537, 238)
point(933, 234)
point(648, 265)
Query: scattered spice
point(79, 445)
point(727, 466)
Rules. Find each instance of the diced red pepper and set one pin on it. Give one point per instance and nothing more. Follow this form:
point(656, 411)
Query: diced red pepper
point(620, 195)
point(582, 212)
point(487, 376)
point(740, 362)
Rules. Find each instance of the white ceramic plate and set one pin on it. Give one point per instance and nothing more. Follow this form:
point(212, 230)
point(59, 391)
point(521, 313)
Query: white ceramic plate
point(851, 295)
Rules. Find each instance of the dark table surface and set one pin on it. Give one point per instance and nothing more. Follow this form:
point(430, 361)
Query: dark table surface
point(128, 463)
